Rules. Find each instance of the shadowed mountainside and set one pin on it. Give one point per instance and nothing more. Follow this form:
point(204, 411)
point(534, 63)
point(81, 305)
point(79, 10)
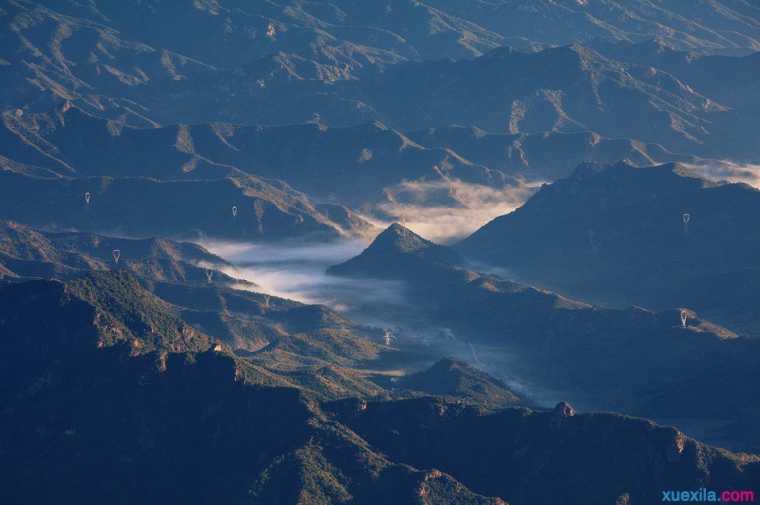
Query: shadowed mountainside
point(145, 414)
point(395, 253)
point(657, 236)
point(652, 362)
point(533, 458)
point(200, 207)
point(205, 425)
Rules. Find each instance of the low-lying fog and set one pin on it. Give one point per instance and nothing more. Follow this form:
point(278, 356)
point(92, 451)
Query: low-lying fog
point(442, 211)
point(294, 270)
point(297, 271)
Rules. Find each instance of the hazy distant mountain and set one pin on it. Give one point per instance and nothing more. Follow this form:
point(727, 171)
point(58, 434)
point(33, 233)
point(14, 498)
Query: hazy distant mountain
point(191, 207)
point(125, 57)
point(352, 165)
point(570, 88)
point(701, 25)
point(345, 64)
point(659, 236)
point(705, 73)
point(734, 82)
point(543, 155)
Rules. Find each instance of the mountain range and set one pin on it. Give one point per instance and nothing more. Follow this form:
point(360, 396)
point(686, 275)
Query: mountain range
point(27, 253)
point(136, 390)
point(655, 236)
point(314, 66)
point(653, 363)
point(319, 115)
point(555, 201)
point(300, 180)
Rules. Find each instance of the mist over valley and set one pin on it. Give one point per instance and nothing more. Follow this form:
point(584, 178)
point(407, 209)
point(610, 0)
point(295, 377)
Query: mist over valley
point(473, 252)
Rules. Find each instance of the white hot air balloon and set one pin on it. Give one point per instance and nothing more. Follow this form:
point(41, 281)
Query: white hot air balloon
point(87, 197)
point(234, 211)
point(116, 255)
point(686, 218)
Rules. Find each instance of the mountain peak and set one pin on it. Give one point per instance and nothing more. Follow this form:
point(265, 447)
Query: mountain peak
point(397, 238)
point(397, 228)
point(401, 236)
point(394, 251)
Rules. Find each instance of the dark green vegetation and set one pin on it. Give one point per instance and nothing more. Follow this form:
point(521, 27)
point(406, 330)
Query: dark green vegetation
point(618, 232)
point(634, 360)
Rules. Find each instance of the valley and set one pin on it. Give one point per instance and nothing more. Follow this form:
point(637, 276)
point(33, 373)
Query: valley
point(354, 252)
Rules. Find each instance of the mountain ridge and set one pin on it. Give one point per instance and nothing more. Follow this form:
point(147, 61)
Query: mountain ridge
point(654, 235)
point(564, 341)
point(270, 443)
